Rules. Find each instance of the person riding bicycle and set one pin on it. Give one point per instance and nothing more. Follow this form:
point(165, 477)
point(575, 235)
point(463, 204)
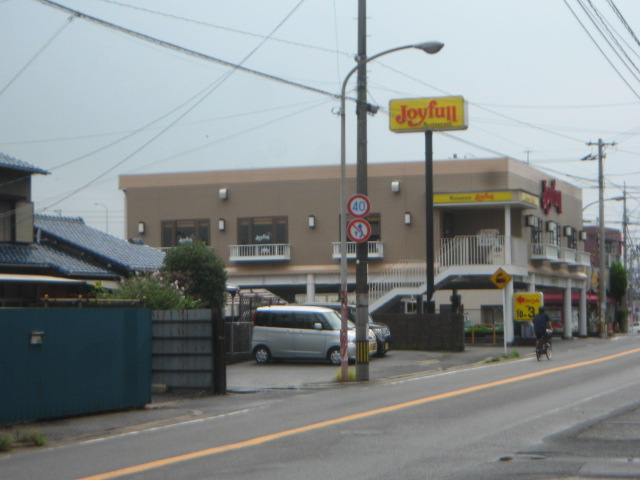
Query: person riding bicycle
point(542, 323)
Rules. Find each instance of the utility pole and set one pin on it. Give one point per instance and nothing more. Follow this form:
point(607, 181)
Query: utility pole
point(625, 247)
point(602, 284)
point(362, 248)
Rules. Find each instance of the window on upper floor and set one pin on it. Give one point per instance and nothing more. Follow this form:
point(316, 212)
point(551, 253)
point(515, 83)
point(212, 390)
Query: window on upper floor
point(554, 235)
point(176, 231)
point(257, 230)
point(536, 230)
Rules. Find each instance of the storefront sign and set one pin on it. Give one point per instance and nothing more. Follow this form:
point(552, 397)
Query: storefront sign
point(550, 197)
point(473, 197)
point(526, 305)
point(422, 114)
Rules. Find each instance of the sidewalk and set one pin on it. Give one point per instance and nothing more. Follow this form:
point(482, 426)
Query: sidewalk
point(248, 383)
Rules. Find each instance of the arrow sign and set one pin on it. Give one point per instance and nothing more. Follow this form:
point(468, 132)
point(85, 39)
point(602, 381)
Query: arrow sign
point(359, 230)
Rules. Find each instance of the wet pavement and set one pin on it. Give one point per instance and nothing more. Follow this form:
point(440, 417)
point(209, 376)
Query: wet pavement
point(249, 384)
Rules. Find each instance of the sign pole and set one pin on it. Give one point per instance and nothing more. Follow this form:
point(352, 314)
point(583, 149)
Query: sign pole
point(504, 314)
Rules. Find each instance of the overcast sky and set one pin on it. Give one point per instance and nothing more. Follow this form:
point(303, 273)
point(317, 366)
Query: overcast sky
point(89, 103)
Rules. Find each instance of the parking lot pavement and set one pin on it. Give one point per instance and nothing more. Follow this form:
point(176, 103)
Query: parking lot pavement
point(250, 376)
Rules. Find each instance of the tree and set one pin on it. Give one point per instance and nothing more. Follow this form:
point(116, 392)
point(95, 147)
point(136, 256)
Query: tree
point(618, 289)
point(200, 270)
point(617, 281)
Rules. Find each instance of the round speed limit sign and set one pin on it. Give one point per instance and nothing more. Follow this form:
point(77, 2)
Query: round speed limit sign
point(358, 205)
point(359, 230)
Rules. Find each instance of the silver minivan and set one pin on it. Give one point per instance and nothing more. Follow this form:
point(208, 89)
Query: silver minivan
point(293, 331)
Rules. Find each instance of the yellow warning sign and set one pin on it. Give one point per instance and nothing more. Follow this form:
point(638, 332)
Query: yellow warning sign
point(500, 278)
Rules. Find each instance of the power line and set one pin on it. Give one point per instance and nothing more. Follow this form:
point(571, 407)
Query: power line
point(599, 48)
point(37, 54)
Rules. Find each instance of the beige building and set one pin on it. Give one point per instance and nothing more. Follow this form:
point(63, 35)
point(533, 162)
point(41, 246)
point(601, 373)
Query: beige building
point(279, 229)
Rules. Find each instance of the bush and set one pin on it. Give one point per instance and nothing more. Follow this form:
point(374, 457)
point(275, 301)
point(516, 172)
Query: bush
point(200, 270)
point(156, 289)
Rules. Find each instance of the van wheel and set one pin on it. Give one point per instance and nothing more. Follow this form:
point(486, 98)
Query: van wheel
point(334, 356)
point(261, 354)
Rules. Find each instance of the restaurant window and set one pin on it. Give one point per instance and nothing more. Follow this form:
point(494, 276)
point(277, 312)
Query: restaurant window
point(257, 230)
point(536, 230)
point(175, 232)
point(554, 235)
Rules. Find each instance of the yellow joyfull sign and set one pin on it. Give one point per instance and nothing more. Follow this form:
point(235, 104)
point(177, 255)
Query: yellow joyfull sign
point(422, 114)
point(500, 278)
point(527, 305)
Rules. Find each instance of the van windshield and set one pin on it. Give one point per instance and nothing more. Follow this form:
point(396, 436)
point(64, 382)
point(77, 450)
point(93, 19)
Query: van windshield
point(335, 321)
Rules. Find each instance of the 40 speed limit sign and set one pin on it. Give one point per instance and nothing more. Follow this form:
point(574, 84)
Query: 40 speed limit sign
point(527, 305)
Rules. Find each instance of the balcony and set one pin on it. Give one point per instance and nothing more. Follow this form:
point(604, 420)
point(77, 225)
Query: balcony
point(568, 256)
point(376, 250)
point(545, 251)
point(273, 252)
point(584, 259)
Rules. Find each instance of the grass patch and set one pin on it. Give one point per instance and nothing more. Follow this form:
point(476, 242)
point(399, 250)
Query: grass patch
point(6, 442)
point(351, 374)
point(504, 356)
point(31, 437)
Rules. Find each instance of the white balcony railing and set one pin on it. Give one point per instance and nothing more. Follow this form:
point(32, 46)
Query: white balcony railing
point(568, 255)
point(545, 251)
point(584, 259)
point(260, 253)
point(376, 250)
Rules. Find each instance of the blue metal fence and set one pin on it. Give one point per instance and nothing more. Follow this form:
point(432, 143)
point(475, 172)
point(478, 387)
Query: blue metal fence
point(58, 362)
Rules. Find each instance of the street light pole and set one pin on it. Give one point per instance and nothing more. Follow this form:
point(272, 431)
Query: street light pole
point(106, 210)
point(427, 47)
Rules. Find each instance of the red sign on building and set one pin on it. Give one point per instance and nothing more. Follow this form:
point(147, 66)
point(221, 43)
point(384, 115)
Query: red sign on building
point(550, 197)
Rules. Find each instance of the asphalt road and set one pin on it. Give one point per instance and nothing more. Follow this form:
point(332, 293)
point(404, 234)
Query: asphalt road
point(587, 423)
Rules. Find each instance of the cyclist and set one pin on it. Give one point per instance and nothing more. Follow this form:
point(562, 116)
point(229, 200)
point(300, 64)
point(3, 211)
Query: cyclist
point(541, 323)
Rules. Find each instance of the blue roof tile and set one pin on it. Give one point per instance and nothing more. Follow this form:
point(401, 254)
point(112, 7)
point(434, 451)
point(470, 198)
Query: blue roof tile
point(45, 256)
point(108, 248)
point(7, 161)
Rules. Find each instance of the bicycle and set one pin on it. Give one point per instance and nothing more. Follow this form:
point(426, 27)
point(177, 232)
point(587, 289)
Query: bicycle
point(543, 348)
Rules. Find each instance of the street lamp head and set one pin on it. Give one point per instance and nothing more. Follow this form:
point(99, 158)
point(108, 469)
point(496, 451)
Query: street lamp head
point(429, 47)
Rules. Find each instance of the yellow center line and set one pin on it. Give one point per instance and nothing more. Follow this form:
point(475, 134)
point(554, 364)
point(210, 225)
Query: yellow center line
point(336, 421)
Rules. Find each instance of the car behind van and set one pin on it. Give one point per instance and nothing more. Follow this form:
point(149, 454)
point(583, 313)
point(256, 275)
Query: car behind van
point(380, 330)
point(297, 332)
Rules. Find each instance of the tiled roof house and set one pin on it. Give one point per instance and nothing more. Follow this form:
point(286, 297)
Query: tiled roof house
point(55, 256)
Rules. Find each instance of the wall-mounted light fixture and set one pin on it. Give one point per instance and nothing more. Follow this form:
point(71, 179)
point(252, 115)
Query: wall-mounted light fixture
point(407, 218)
point(583, 235)
point(395, 187)
point(141, 228)
point(312, 221)
point(223, 193)
point(568, 231)
point(221, 224)
point(551, 226)
point(531, 220)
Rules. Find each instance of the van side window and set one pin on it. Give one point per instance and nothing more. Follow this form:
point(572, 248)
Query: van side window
point(282, 320)
point(306, 320)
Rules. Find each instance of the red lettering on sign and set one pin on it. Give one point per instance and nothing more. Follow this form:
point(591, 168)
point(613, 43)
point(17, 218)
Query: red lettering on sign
point(550, 197)
point(415, 117)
